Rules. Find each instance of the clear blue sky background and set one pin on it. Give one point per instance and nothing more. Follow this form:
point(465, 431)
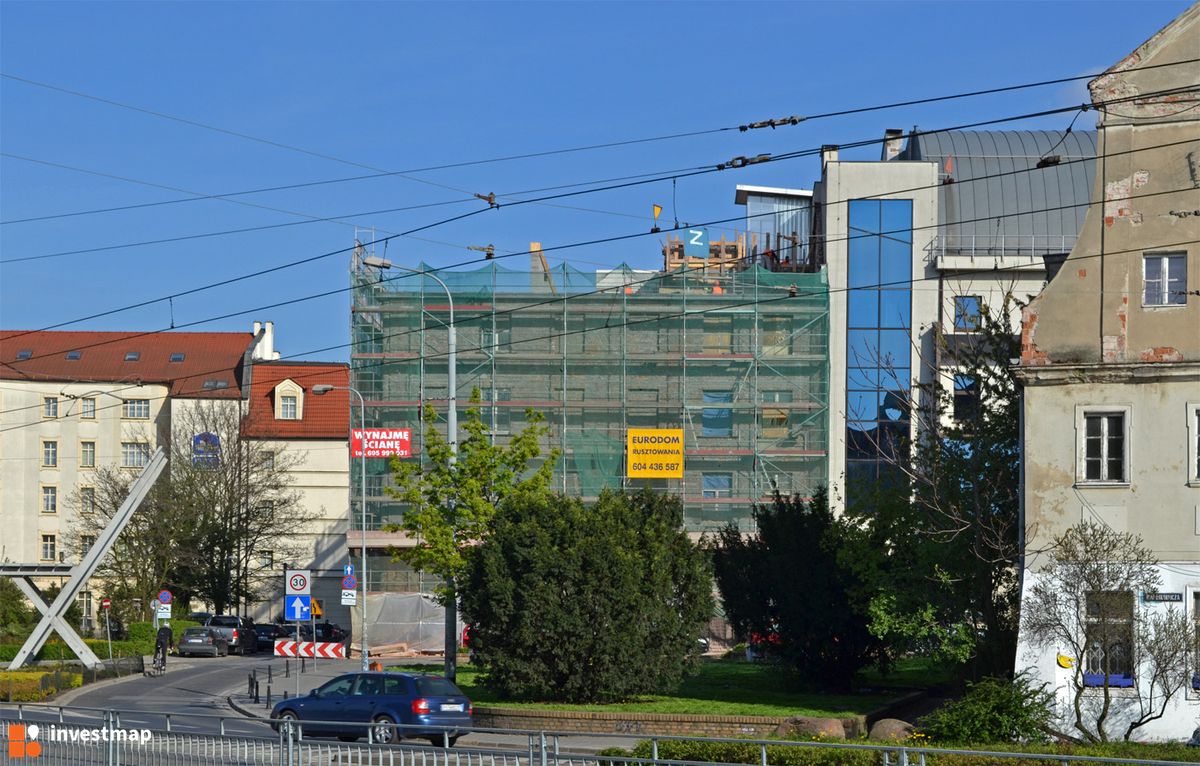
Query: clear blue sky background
point(406, 85)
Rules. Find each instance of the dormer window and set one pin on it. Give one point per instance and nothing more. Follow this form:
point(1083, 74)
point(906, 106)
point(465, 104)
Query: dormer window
point(24, 353)
point(133, 356)
point(177, 356)
point(289, 401)
point(74, 355)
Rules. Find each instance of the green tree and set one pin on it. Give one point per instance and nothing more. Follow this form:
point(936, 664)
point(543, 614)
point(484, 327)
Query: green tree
point(787, 583)
point(939, 549)
point(453, 496)
point(15, 614)
point(587, 604)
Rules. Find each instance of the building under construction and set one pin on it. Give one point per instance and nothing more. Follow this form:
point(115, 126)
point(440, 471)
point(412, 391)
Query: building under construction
point(737, 358)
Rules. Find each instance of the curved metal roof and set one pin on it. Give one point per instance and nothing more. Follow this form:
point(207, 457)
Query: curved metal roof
point(1044, 207)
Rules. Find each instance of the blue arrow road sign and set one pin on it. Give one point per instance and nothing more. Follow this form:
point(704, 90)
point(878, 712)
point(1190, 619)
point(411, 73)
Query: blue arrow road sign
point(298, 607)
point(349, 582)
point(348, 570)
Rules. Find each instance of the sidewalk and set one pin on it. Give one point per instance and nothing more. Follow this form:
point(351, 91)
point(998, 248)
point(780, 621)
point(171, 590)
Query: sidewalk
point(324, 670)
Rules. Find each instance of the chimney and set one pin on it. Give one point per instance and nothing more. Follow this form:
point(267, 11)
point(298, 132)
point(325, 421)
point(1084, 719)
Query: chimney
point(269, 352)
point(829, 153)
point(891, 143)
point(257, 327)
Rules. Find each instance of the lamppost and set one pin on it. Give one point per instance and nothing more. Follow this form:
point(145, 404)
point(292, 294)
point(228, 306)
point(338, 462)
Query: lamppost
point(451, 628)
point(320, 390)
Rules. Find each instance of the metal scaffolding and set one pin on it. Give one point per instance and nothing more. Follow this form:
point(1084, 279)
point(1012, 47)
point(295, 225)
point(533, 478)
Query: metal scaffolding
point(738, 359)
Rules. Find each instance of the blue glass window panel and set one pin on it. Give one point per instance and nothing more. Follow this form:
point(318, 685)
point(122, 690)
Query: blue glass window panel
point(717, 421)
point(863, 405)
point(895, 348)
point(863, 265)
point(717, 481)
point(895, 269)
point(864, 308)
point(862, 377)
point(862, 348)
point(895, 219)
point(864, 215)
point(966, 312)
point(895, 308)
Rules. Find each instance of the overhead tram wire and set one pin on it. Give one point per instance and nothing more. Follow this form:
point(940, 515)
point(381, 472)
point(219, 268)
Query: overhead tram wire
point(697, 172)
point(600, 290)
point(598, 241)
point(795, 120)
point(656, 318)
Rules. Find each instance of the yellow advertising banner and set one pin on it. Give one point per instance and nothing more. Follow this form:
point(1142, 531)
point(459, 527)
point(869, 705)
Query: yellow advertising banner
point(654, 453)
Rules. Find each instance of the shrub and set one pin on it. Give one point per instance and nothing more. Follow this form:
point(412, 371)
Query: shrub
point(994, 710)
point(35, 685)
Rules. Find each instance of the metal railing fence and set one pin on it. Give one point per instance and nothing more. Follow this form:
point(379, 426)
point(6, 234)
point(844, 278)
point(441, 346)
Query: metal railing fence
point(99, 737)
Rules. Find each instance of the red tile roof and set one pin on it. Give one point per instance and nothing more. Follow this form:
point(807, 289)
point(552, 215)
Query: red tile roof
point(323, 417)
point(210, 359)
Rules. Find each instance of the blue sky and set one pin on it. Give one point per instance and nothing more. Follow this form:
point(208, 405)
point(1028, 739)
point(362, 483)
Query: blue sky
point(396, 86)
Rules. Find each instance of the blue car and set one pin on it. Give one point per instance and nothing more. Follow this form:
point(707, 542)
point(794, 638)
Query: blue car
point(345, 706)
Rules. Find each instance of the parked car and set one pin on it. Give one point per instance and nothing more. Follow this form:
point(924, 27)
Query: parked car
point(208, 641)
point(266, 633)
point(345, 706)
point(238, 631)
point(331, 632)
point(200, 617)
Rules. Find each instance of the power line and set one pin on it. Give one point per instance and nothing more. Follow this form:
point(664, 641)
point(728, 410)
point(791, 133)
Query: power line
point(610, 187)
point(553, 248)
point(794, 120)
point(656, 318)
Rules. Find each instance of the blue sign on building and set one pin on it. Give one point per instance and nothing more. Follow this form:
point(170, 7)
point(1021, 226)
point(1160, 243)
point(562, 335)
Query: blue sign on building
point(695, 243)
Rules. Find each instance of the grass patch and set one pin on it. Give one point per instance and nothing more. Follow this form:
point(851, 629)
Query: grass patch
point(908, 673)
point(720, 688)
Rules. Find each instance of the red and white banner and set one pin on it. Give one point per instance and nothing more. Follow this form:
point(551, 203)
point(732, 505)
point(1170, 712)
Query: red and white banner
point(323, 649)
point(380, 442)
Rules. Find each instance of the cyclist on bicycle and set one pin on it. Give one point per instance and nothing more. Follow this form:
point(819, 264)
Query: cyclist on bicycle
point(162, 644)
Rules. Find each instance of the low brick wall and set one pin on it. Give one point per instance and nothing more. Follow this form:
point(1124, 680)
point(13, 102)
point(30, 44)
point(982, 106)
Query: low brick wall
point(650, 724)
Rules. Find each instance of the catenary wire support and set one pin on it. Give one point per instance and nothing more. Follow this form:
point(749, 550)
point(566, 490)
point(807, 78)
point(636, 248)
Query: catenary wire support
point(52, 614)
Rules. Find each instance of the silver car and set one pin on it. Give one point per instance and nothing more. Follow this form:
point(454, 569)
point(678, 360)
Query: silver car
point(203, 641)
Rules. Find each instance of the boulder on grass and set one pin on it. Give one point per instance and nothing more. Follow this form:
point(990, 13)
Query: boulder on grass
point(808, 726)
point(890, 730)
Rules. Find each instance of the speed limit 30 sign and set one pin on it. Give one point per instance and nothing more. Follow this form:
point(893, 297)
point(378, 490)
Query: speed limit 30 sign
point(298, 582)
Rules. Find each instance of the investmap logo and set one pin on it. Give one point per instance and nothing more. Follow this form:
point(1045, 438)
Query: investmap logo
point(22, 741)
point(25, 740)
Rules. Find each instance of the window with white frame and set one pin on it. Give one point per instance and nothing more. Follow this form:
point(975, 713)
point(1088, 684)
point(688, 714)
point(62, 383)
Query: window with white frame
point(716, 485)
point(87, 454)
point(85, 543)
point(87, 408)
point(1193, 426)
point(49, 454)
point(967, 310)
point(1164, 279)
point(287, 408)
point(50, 406)
point(135, 454)
point(1104, 454)
point(87, 499)
point(135, 409)
point(49, 499)
point(1196, 635)
point(49, 548)
point(1108, 634)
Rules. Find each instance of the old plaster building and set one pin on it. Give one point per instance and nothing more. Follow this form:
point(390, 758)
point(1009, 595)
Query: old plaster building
point(1110, 363)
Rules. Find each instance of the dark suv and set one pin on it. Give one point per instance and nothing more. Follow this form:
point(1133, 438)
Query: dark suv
point(238, 631)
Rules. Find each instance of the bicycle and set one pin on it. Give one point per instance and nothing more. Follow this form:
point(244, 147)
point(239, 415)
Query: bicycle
point(159, 664)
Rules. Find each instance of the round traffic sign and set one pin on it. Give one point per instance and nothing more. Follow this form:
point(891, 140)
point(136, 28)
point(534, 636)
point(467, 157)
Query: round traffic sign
point(298, 581)
point(164, 596)
point(105, 603)
point(349, 582)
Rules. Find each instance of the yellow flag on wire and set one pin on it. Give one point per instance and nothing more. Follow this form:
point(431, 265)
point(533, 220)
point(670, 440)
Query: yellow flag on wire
point(657, 211)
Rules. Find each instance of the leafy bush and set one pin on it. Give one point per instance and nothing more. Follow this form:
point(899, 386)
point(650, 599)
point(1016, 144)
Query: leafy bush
point(586, 604)
point(994, 710)
point(35, 685)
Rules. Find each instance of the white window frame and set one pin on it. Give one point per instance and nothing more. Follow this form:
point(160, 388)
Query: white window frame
point(87, 408)
point(87, 499)
point(49, 499)
point(1082, 411)
point(87, 457)
point(285, 389)
point(1191, 607)
point(135, 409)
point(135, 454)
point(49, 453)
point(289, 406)
point(716, 492)
point(1192, 418)
point(1164, 297)
point(52, 541)
point(49, 407)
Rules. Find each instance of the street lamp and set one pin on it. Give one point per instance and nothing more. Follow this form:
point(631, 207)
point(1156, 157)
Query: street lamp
point(451, 629)
point(320, 390)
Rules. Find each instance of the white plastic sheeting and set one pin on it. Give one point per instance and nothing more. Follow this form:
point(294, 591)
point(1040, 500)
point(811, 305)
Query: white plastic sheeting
point(414, 619)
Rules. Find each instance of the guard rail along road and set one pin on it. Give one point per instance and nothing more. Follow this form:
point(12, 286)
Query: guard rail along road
point(48, 735)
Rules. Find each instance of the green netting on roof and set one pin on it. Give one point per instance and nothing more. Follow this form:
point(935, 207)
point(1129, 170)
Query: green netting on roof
point(596, 458)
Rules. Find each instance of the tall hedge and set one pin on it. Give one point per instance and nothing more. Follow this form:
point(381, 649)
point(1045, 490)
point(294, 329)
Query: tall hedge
point(579, 603)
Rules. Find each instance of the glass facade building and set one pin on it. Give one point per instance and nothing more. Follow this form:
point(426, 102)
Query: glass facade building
point(879, 341)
